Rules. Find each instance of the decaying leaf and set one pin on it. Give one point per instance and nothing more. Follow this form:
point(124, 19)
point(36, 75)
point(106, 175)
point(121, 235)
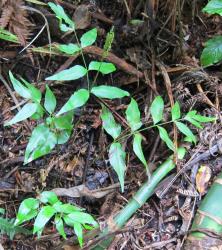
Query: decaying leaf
point(82, 17)
point(82, 190)
point(13, 16)
point(202, 179)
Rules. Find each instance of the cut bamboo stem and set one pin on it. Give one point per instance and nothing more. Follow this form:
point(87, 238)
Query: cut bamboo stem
point(141, 196)
point(206, 231)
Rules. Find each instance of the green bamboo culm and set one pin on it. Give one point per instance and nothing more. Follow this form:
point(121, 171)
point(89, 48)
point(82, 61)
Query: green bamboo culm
point(206, 230)
point(141, 196)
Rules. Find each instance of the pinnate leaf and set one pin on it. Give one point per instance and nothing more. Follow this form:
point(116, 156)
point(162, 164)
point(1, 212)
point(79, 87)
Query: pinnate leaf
point(62, 16)
point(109, 92)
point(109, 123)
point(69, 49)
point(41, 142)
point(186, 131)
point(117, 160)
point(19, 87)
point(137, 148)
point(133, 115)
point(175, 111)
point(193, 114)
point(194, 122)
point(35, 93)
point(165, 137)
point(212, 52)
point(156, 109)
point(88, 38)
point(26, 111)
point(102, 67)
point(78, 99)
point(50, 100)
point(72, 73)
point(214, 7)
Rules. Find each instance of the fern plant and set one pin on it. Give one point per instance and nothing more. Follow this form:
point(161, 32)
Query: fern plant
point(8, 227)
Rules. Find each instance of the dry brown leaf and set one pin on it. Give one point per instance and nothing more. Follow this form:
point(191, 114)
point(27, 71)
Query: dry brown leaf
point(82, 17)
point(13, 16)
point(82, 190)
point(202, 179)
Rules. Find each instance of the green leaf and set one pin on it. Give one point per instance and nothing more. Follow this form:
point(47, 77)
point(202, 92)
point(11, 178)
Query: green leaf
point(2, 211)
point(8, 36)
point(108, 42)
point(27, 210)
point(137, 148)
point(214, 7)
point(8, 227)
point(117, 160)
point(78, 232)
point(193, 114)
point(48, 197)
point(39, 112)
point(50, 100)
point(61, 122)
point(175, 111)
point(66, 208)
point(194, 122)
point(79, 217)
point(60, 226)
point(26, 111)
point(63, 136)
point(41, 142)
point(102, 67)
point(64, 121)
point(73, 73)
point(42, 218)
point(136, 22)
point(78, 99)
point(69, 49)
point(35, 93)
point(62, 16)
point(109, 92)
point(156, 109)
point(109, 123)
point(88, 38)
point(165, 137)
point(133, 115)
point(186, 131)
point(19, 88)
point(212, 52)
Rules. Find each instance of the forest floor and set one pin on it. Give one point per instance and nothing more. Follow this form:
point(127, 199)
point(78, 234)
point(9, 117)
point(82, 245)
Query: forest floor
point(157, 54)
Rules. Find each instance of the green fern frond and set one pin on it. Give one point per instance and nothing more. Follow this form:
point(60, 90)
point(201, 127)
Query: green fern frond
point(7, 227)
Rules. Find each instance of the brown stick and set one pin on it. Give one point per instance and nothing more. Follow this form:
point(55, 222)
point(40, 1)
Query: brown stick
point(120, 63)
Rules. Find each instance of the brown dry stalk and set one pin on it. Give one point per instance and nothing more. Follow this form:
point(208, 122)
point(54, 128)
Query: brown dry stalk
point(13, 17)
